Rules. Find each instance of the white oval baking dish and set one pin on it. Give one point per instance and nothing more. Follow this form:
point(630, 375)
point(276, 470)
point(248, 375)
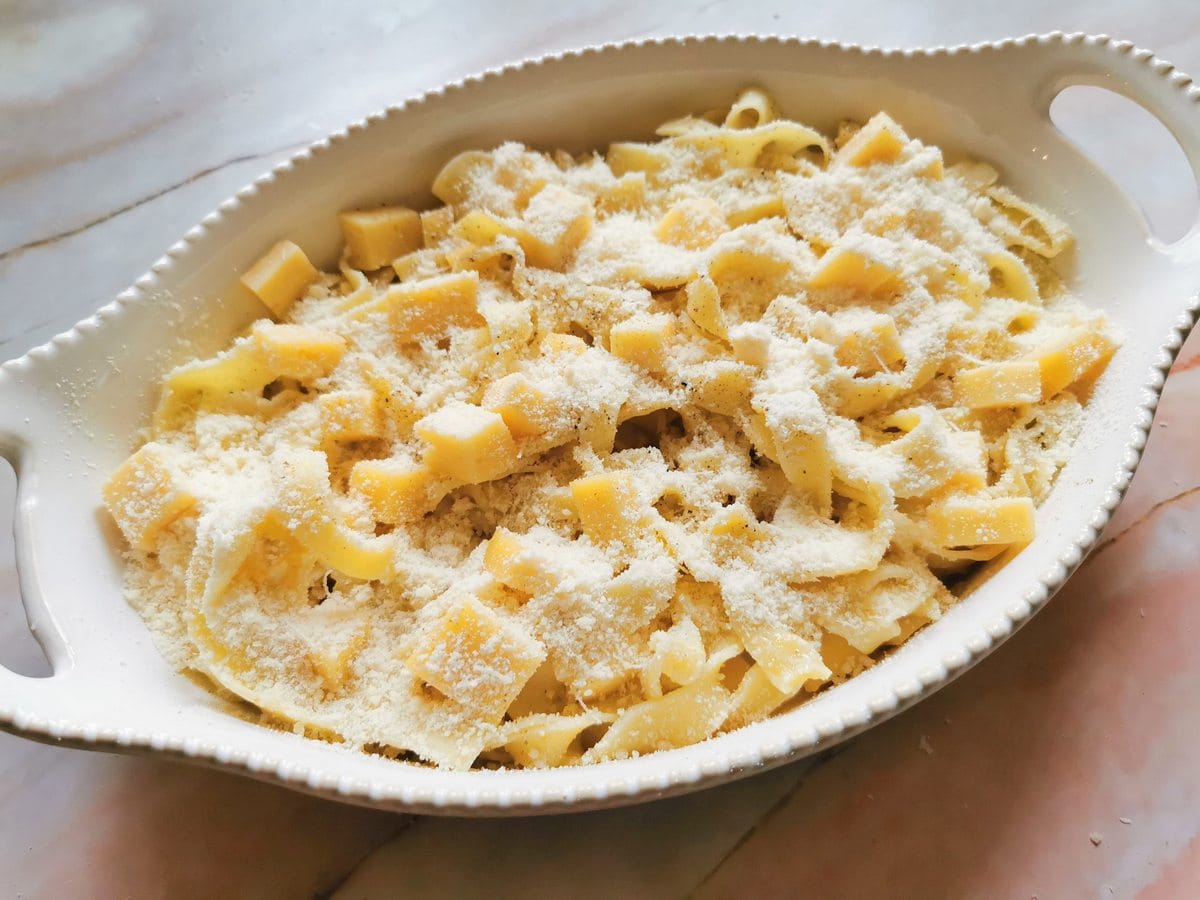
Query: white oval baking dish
point(70, 410)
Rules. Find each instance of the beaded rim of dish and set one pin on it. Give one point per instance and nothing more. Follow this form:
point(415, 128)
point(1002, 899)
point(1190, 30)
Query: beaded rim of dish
point(719, 759)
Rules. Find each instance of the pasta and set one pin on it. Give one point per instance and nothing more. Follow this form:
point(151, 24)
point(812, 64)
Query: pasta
point(613, 453)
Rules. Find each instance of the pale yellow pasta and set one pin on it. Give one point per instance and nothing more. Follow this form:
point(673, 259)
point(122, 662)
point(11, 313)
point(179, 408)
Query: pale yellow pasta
point(614, 453)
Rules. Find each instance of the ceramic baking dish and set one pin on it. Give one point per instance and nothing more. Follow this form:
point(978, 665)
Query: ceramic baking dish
point(71, 410)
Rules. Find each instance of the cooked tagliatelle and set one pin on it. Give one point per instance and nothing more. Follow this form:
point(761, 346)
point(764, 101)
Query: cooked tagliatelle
point(612, 453)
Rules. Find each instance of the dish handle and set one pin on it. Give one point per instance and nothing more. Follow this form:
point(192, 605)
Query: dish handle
point(23, 695)
point(1138, 75)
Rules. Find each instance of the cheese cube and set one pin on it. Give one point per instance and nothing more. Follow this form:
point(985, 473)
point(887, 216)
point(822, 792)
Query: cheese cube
point(428, 308)
point(1000, 384)
point(692, 224)
point(880, 140)
point(476, 658)
point(853, 268)
point(145, 494)
point(395, 490)
point(517, 562)
point(1062, 362)
point(374, 237)
point(607, 506)
point(642, 340)
point(280, 277)
point(467, 444)
point(303, 352)
point(350, 416)
point(526, 409)
point(481, 228)
point(972, 521)
point(556, 222)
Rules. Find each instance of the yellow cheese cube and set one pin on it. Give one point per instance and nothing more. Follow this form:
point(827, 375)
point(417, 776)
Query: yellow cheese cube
point(280, 277)
point(514, 561)
point(880, 140)
point(476, 658)
point(1082, 353)
point(395, 490)
point(556, 222)
point(526, 409)
point(1000, 384)
point(424, 309)
point(374, 237)
point(853, 268)
point(482, 228)
point(971, 521)
point(607, 506)
point(303, 352)
point(555, 343)
point(642, 340)
point(467, 444)
point(693, 224)
point(145, 494)
point(350, 416)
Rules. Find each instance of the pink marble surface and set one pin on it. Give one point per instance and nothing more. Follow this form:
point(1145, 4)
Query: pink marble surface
point(1062, 766)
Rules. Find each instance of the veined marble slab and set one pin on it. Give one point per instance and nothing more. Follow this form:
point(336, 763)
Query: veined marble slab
point(122, 123)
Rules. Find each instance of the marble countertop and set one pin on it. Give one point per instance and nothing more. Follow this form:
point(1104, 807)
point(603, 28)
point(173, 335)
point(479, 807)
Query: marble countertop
point(1064, 765)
